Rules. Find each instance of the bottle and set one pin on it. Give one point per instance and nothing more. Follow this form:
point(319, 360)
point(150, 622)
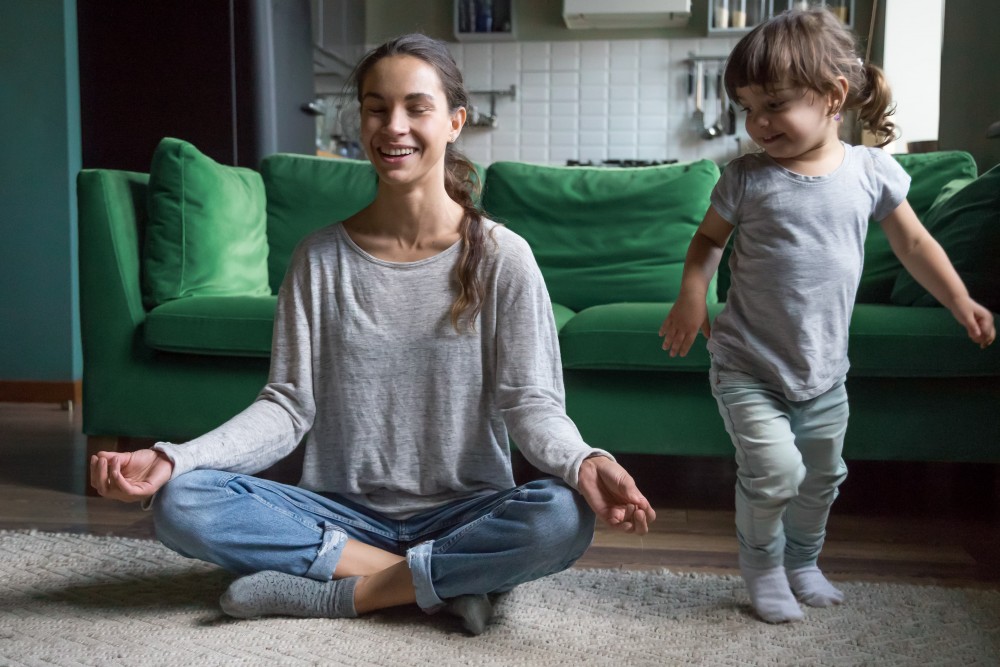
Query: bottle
point(484, 15)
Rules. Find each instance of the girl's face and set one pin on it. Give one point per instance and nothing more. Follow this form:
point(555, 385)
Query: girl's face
point(405, 121)
point(790, 123)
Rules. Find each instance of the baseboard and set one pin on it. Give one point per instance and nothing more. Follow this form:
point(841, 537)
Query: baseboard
point(40, 392)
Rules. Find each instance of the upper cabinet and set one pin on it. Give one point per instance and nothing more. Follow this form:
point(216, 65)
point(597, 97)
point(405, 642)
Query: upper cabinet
point(484, 20)
point(338, 34)
point(735, 17)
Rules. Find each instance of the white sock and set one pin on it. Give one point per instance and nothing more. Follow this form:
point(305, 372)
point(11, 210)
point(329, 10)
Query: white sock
point(770, 594)
point(813, 588)
point(278, 594)
point(474, 610)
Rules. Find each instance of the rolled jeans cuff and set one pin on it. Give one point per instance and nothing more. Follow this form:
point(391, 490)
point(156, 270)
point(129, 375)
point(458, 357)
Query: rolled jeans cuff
point(328, 556)
point(419, 561)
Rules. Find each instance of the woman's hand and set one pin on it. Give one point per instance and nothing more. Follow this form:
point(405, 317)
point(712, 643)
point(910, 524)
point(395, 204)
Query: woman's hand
point(129, 476)
point(612, 494)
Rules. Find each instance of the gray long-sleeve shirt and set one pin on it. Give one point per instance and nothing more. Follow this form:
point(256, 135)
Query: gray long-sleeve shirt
point(400, 412)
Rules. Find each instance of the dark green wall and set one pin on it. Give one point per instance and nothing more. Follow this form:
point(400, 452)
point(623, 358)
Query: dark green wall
point(970, 79)
point(40, 136)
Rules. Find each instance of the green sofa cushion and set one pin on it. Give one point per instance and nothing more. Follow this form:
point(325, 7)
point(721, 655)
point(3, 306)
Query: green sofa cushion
point(562, 315)
point(967, 226)
point(625, 336)
point(305, 193)
point(905, 342)
point(206, 230)
point(886, 341)
point(228, 326)
point(604, 235)
point(929, 174)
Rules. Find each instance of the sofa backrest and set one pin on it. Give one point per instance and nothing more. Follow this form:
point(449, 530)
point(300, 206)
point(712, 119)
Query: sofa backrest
point(604, 235)
point(305, 193)
point(929, 173)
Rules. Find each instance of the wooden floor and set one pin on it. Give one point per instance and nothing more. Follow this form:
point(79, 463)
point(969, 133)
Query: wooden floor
point(895, 522)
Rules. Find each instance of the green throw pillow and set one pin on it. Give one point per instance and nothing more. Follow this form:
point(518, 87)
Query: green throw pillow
point(604, 235)
point(929, 173)
point(206, 230)
point(967, 226)
point(305, 193)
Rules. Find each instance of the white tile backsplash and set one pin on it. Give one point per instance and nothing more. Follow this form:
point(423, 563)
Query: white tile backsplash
point(590, 100)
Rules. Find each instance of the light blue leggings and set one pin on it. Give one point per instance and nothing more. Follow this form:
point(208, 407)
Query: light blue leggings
point(789, 466)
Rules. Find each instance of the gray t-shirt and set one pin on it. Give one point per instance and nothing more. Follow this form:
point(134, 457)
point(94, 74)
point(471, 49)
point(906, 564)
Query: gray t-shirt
point(399, 412)
point(796, 264)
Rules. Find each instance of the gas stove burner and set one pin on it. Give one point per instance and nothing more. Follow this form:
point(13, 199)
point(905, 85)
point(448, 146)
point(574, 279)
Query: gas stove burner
point(618, 163)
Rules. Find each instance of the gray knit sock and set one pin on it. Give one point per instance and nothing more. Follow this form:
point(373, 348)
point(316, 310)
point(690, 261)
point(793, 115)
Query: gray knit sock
point(278, 594)
point(474, 610)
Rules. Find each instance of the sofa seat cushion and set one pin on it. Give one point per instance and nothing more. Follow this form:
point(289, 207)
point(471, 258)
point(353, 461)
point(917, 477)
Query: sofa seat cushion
point(228, 326)
point(900, 341)
point(602, 235)
point(562, 315)
point(206, 229)
point(626, 336)
point(886, 341)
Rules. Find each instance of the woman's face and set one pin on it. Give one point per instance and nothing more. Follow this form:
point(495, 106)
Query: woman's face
point(405, 121)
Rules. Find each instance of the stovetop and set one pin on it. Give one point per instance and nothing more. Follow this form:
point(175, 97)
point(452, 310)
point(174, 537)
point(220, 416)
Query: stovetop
point(618, 163)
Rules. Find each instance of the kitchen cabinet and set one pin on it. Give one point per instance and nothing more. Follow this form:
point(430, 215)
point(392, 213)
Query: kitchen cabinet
point(737, 17)
point(338, 31)
point(484, 20)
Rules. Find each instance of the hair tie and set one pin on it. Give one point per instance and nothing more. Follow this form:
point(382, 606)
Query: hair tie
point(861, 63)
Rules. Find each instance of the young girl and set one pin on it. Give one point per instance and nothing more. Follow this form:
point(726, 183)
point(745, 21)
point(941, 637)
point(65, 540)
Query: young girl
point(779, 347)
point(409, 341)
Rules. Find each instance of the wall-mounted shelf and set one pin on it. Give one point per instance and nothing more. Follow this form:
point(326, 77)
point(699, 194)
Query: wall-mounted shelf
point(484, 20)
point(737, 17)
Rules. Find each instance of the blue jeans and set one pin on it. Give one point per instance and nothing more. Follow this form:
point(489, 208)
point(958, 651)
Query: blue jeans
point(789, 466)
point(482, 544)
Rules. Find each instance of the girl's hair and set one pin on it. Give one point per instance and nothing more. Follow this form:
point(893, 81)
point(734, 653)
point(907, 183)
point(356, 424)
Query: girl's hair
point(810, 48)
point(461, 180)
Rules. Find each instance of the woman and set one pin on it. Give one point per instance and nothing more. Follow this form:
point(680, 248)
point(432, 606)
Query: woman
point(410, 340)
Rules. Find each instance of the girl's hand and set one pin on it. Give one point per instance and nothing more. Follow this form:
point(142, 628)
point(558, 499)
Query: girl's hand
point(680, 328)
point(977, 320)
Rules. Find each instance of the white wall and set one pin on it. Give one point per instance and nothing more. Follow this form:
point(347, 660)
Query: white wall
point(912, 58)
point(590, 100)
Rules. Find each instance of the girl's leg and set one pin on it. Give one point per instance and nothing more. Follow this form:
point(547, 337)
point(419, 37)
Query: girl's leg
point(769, 471)
point(819, 425)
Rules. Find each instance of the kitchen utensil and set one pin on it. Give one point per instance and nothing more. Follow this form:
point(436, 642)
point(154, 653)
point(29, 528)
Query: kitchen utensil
point(698, 117)
point(720, 117)
point(699, 100)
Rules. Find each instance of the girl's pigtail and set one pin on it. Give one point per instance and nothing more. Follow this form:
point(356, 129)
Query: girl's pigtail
point(876, 105)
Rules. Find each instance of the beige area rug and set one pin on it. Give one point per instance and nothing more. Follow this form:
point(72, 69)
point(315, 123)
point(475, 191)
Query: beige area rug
point(82, 600)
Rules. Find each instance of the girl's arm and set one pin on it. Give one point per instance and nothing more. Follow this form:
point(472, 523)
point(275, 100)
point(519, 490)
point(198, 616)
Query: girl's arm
point(926, 261)
point(690, 312)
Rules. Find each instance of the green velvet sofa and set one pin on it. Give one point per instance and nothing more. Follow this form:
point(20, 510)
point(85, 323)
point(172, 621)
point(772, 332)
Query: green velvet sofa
point(611, 245)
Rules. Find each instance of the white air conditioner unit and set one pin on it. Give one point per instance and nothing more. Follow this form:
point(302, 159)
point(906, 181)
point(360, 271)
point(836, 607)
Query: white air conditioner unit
point(626, 13)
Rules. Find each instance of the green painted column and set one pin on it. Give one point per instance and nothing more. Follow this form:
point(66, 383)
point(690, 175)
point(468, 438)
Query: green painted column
point(39, 161)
